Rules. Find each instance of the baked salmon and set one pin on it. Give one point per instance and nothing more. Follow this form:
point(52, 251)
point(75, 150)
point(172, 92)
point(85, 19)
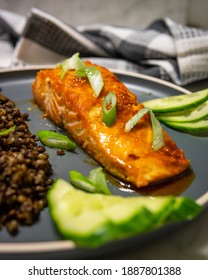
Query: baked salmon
point(71, 104)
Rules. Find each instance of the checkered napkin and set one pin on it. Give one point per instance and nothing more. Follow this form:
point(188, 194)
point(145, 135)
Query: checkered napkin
point(164, 49)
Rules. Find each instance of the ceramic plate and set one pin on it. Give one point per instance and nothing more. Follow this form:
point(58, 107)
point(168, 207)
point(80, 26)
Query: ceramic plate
point(41, 239)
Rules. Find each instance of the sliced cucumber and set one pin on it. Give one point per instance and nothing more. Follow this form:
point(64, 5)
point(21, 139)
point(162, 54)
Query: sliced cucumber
point(76, 215)
point(177, 102)
point(137, 214)
point(94, 219)
point(184, 208)
point(198, 126)
point(193, 114)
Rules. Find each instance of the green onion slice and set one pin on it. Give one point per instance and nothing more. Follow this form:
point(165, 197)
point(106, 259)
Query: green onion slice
point(95, 78)
point(93, 74)
point(7, 131)
point(81, 73)
point(134, 120)
point(74, 62)
point(157, 134)
point(158, 138)
point(98, 178)
point(109, 109)
point(56, 140)
point(81, 182)
point(95, 183)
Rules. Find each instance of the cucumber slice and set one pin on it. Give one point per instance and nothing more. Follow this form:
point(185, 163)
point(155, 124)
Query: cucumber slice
point(177, 102)
point(198, 126)
point(77, 216)
point(94, 219)
point(194, 114)
point(137, 214)
point(184, 208)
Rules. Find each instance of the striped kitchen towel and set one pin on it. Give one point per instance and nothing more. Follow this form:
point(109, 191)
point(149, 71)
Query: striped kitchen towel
point(164, 49)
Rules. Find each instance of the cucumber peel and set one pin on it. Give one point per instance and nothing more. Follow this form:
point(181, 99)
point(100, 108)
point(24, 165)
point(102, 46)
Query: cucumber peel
point(198, 126)
point(187, 112)
point(92, 220)
point(190, 115)
point(177, 102)
point(184, 209)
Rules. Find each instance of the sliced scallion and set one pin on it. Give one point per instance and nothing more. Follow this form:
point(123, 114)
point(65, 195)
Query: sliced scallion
point(158, 138)
point(134, 120)
point(98, 178)
point(95, 183)
point(64, 69)
point(56, 140)
point(72, 63)
point(157, 133)
point(81, 73)
point(75, 62)
point(81, 182)
point(95, 78)
point(82, 70)
point(8, 130)
point(109, 109)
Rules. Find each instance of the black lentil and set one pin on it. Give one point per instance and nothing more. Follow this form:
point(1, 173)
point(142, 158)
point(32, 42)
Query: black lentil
point(25, 170)
point(60, 152)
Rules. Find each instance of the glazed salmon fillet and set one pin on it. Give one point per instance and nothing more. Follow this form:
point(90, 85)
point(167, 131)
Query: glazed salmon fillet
point(71, 104)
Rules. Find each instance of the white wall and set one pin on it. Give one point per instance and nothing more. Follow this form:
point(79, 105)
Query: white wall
point(131, 13)
point(121, 12)
point(198, 13)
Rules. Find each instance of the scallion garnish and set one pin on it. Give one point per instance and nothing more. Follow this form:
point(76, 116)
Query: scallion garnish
point(81, 73)
point(81, 182)
point(74, 62)
point(95, 183)
point(158, 138)
point(157, 134)
point(56, 140)
point(98, 178)
point(7, 131)
point(109, 109)
point(93, 74)
point(95, 78)
point(134, 120)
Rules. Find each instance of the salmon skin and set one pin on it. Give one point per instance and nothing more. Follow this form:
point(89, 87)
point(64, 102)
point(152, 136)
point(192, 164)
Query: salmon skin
point(71, 104)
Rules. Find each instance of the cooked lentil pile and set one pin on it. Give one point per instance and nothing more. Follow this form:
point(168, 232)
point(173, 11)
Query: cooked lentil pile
point(25, 170)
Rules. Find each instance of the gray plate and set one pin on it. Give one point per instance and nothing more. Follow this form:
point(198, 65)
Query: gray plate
point(41, 239)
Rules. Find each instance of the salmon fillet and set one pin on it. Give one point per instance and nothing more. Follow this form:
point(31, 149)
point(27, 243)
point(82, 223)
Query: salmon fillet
point(71, 105)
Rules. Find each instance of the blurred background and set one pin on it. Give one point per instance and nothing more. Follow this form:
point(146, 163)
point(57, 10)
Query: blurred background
point(132, 13)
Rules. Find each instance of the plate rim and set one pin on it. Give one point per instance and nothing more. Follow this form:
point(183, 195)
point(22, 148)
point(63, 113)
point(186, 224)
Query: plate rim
point(64, 245)
point(114, 70)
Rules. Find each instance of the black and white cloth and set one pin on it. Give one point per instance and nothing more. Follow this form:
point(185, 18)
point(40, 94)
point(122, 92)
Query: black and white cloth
point(164, 49)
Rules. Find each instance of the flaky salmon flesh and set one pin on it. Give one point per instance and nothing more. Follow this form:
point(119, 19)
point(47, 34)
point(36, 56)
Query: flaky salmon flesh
point(71, 104)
